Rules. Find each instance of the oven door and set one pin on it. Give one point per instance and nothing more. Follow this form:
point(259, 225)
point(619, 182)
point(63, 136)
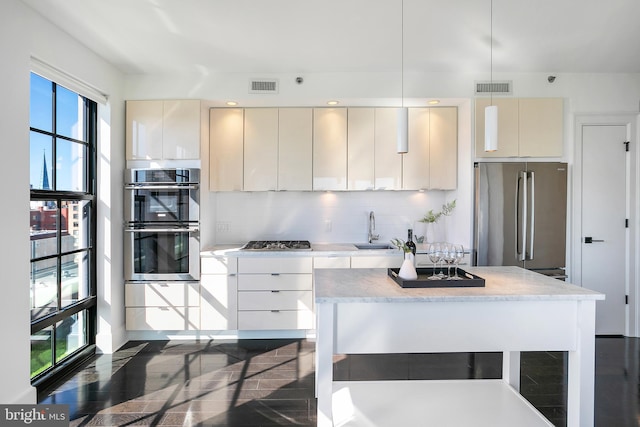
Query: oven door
point(162, 253)
point(157, 203)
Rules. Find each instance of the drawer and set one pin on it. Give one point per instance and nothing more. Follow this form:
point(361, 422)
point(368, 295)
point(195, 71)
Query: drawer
point(331, 262)
point(162, 318)
point(268, 320)
point(271, 264)
point(162, 294)
point(218, 265)
point(275, 300)
point(275, 282)
point(377, 261)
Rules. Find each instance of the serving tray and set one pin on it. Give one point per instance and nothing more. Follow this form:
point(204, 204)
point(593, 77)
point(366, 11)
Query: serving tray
point(468, 279)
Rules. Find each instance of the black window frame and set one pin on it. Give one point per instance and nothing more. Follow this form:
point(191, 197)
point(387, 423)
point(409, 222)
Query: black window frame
point(88, 304)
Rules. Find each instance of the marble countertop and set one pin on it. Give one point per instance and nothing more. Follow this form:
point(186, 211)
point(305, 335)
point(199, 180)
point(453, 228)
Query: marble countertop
point(501, 284)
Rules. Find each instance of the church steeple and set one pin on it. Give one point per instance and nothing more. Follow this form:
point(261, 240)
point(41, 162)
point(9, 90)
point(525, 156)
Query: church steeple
point(45, 174)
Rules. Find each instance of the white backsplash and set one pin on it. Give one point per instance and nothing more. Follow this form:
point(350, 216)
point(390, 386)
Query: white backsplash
point(325, 217)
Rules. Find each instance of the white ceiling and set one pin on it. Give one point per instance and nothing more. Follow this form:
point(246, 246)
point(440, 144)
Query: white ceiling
point(305, 36)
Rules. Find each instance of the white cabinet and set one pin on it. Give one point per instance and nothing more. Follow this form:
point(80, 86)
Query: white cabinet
point(275, 293)
point(360, 148)
point(260, 149)
point(432, 160)
point(162, 306)
point(226, 139)
point(378, 261)
point(219, 293)
point(373, 161)
point(329, 149)
point(295, 149)
point(163, 130)
point(336, 261)
point(527, 127)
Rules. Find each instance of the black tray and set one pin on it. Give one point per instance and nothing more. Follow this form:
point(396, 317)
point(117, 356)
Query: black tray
point(468, 279)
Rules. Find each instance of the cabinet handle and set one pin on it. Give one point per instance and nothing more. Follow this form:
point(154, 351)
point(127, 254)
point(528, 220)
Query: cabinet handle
point(275, 274)
point(275, 291)
point(275, 311)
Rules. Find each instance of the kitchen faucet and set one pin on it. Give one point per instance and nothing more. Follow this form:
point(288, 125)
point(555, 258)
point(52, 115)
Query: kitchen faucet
point(372, 227)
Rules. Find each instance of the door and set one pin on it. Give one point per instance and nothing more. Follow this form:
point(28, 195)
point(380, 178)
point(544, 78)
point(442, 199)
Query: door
point(604, 206)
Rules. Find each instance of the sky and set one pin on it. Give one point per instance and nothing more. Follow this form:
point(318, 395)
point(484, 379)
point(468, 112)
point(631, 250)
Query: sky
point(70, 156)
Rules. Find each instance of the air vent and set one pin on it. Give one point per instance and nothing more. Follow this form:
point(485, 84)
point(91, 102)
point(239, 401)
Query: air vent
point(495, 88)
point(263, 86)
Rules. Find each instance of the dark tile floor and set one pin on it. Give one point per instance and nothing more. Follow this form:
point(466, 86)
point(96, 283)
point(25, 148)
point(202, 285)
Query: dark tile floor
point(271, 382)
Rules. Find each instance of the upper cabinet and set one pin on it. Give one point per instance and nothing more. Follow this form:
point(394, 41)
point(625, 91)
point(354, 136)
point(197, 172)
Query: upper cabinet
point(260, 149)
point(330, 149)
point(361, 148)
point(226, 139)
point(163, 130)
point(388, 163)
point(432, 160)
point(295, 149)
point(527, 127)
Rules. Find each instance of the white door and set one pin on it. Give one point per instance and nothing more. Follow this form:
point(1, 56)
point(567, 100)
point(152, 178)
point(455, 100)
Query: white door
point(604, 206)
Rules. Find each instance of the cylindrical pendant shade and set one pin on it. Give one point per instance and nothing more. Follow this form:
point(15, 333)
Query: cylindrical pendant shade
point(491, 128)
point(403, 131)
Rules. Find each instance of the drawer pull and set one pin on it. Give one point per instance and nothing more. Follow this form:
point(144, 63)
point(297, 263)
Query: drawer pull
point(275, 292)
point(275, 274)
point(275, 311)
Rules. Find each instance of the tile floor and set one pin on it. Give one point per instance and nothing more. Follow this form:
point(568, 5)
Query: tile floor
point(271, 382)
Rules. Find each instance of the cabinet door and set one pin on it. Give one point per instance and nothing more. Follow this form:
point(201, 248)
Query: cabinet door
point(218, 302)
point(507, 127)
point(415, 169)
point(377, 261)
point(388, 163)
point(225, 149)
point(295, 149)
point(144, 130)
point(181, 129)
point(330, 149)
point(260, 149)
point(541, 130)
point(360, 148)
point(443, 148)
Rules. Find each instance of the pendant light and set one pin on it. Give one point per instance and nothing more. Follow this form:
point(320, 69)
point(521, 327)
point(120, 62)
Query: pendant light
point(491, 112)
point(403, 113)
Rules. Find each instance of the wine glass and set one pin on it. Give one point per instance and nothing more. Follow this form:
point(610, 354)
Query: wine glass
point(449, 256)
point(443, 249)
point(435, 254)
point(459, 255)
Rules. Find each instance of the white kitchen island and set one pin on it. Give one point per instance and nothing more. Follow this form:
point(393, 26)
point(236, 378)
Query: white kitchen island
point(364, 311)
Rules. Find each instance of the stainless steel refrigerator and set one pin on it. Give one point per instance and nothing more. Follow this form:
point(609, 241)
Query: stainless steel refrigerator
point(520, 215)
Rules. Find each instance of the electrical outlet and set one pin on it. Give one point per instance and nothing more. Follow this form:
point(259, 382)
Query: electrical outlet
point(222, 227)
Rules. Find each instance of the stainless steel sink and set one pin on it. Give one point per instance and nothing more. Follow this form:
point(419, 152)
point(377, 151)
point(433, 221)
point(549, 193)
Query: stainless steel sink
point(373, 246)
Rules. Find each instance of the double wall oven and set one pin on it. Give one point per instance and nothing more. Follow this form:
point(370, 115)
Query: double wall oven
point(162, 215)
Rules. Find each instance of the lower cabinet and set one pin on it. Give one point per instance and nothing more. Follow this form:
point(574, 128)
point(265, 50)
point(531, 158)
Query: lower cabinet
point(275, 293)
point(219, 293)
point(377, 261)
point(171, 306)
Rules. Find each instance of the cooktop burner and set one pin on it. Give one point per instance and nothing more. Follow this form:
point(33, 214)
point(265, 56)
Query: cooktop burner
point(277, 245)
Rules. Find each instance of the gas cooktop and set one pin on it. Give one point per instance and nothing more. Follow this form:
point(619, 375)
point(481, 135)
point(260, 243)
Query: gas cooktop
point(277, 245)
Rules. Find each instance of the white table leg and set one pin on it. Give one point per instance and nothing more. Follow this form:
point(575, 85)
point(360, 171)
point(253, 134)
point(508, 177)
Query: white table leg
point(511, 368)
point(325, 330)
point(581, 375)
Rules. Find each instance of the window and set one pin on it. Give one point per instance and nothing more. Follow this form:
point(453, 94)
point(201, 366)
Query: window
point(63, 225)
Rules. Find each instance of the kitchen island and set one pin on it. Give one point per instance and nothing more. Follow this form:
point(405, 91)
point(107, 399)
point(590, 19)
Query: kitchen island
point(364, 311)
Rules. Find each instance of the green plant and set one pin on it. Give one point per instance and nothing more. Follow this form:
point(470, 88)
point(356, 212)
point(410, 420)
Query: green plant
point(400, 244)
point(431, 216)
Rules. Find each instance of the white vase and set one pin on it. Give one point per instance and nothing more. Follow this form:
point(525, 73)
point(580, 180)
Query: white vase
point(408, 269)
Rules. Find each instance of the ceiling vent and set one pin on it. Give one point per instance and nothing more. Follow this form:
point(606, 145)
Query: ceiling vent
point(496, 88)
point(263, 86)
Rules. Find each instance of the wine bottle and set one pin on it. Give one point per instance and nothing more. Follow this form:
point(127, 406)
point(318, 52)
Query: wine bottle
point(410, 242)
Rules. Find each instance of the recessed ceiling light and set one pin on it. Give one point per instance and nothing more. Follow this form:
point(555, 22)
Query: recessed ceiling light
point(232, 103)
point(332, 102)
point(433, 102)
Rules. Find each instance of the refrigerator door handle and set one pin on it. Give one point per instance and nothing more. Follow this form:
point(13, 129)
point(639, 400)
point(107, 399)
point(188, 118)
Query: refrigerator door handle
point(532, 219)
point(521, 216)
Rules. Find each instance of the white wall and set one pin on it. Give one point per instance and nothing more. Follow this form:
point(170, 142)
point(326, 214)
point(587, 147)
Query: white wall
point(23, 34)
